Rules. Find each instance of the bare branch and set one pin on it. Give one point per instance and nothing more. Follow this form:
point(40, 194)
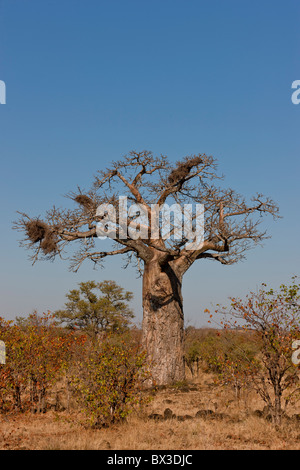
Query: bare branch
point(230, 224)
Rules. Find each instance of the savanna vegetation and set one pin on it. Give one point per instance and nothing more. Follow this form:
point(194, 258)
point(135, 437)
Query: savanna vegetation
point(70, 376)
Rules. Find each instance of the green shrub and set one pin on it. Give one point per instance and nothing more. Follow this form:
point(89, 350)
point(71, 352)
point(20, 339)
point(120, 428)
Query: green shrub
point(108, 381)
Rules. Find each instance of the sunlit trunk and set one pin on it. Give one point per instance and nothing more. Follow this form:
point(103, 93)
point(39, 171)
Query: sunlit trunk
point(163, 324)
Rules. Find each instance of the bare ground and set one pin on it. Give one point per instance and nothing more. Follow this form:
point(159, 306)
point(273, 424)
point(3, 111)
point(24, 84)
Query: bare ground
point(199, 415)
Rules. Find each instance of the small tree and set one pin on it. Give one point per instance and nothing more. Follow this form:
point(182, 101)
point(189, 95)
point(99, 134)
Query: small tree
point(107, 381)
point(273, 317)
point(95, 314)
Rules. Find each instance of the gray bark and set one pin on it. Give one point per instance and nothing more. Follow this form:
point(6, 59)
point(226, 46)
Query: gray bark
point(163, 323)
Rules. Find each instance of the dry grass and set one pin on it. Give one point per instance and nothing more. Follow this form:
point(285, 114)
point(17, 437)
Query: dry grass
point(233, 426)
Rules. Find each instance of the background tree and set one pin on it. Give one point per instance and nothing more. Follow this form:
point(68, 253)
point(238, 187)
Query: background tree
point(273, 319)
point(230, 229)
point(97, 313)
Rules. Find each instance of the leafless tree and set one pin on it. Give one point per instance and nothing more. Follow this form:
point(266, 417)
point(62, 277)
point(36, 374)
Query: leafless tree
point(231, 228)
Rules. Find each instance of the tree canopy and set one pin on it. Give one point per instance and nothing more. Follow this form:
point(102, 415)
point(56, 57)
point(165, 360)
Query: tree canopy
point(230, 223)
point(97, 307)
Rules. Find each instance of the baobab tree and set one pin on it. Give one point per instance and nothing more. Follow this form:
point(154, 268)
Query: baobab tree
point(231, 227)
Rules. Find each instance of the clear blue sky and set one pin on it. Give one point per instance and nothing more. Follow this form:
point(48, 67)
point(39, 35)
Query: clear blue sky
point(88, 81)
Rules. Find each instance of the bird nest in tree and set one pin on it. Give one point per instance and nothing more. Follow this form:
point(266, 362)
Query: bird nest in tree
point(39, 231)
point(36, 230)
point(49, 243)
point(183, 169)
point(84, 201)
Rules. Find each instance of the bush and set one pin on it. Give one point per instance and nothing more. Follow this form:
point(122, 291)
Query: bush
point(36, 355)
point(108, 381)
point(271, 319)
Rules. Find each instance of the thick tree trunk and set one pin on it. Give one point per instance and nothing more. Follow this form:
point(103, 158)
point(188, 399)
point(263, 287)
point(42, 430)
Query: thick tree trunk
point(163, 323)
